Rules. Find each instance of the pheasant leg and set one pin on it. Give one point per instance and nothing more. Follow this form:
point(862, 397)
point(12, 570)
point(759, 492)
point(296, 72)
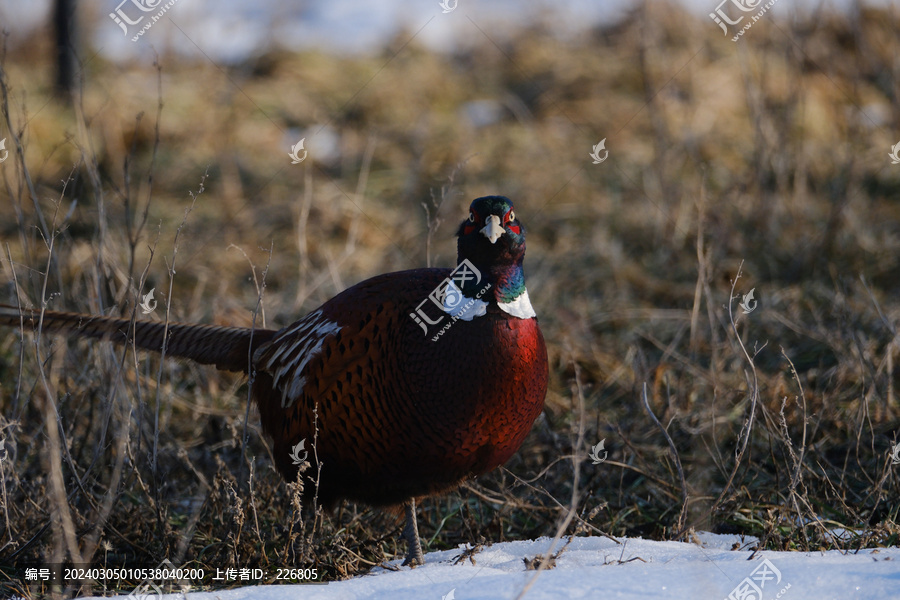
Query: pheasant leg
point(410, 533)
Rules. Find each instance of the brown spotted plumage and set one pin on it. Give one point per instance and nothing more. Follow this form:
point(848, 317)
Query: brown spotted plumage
point(400, 387)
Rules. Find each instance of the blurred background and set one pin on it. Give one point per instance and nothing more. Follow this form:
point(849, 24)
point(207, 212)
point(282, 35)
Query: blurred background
point(731, 164)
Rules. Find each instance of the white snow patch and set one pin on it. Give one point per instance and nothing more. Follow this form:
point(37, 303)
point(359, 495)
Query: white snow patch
point(590, 568)
point(716, 541)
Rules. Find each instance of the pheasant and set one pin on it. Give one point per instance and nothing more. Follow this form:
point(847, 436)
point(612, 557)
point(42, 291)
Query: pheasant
point(400, 387)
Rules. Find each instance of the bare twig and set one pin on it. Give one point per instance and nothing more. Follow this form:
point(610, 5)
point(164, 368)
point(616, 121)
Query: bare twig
point(753, 382)
point(260, 292)
point(684, 495)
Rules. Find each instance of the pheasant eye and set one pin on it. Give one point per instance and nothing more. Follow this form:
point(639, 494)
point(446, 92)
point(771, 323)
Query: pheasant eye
point(511, 216)
point(471, 217)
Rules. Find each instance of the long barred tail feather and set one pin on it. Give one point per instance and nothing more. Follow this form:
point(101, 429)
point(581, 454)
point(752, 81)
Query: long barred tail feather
point(226, 347)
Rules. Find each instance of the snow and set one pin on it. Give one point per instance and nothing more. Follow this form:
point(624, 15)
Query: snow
point(596, 567)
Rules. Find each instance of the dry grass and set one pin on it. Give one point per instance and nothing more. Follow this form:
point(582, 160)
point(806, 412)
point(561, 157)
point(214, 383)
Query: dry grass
point(769, 153)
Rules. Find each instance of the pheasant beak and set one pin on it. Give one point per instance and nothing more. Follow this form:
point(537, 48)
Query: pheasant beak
point(493, 230)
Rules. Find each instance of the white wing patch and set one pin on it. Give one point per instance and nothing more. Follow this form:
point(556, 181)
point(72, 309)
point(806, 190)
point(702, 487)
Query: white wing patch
point(294, 348)
point(520, 307)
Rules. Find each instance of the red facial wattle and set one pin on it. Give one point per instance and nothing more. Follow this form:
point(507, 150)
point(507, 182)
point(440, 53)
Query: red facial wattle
point(508, 223)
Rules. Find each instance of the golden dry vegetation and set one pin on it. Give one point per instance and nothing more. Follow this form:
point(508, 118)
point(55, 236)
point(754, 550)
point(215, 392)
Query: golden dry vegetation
point(771, 153)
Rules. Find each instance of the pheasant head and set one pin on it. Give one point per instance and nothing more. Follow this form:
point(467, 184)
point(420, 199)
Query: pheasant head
point(493, 240)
